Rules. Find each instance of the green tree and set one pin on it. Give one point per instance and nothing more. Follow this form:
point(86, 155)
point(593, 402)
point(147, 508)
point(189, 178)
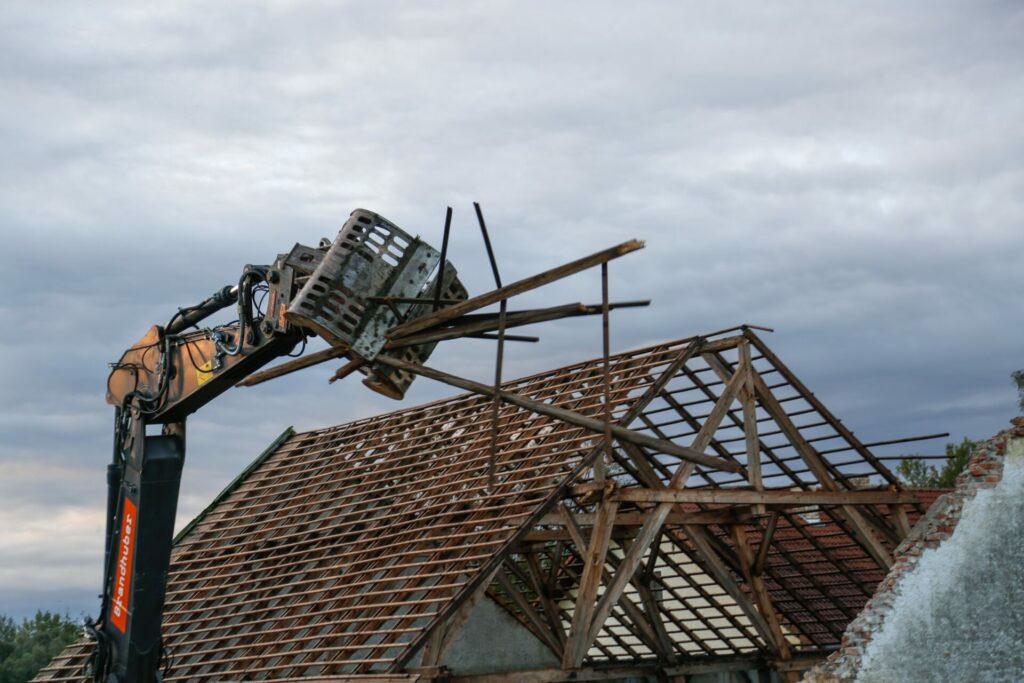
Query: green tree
point(27, 647)
point(920, 475)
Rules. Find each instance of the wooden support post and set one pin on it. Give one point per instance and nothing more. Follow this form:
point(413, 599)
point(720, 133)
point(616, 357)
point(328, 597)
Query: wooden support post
point(577, 644)
point(666, 647)
point(649, 531)
point(749, 401)
point(645, 629)
point(902, 522)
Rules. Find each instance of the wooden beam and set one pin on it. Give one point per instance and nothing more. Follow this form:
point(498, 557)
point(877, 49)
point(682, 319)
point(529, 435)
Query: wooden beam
point(568, 416)
point(511, 290)
point(701, 665)
point(577, 644)
point(666, 646)
point(724, 516)
point(746, 497)
point(649, 531)
point(635, 614)
point(474, 325)
point(902, 521)
point(748, 400)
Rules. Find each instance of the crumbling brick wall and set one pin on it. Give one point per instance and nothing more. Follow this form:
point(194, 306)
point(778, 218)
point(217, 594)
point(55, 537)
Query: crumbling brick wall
point(996, 622)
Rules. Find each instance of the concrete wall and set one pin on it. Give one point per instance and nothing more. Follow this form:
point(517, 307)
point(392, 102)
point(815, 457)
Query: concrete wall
point(492, 641)
point(952, 607)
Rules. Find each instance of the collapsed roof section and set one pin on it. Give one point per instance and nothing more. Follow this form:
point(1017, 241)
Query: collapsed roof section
point(360, 550)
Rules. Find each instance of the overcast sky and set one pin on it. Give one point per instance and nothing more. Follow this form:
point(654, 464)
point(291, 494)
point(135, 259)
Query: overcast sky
point(847, 173)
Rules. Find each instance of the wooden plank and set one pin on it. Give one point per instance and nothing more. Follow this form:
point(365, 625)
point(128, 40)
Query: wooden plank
point(577, 643)
point(568, 416)
point(511, 290)
point(746, 497)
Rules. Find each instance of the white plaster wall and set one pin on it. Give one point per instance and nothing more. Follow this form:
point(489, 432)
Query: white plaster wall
point(959, 614)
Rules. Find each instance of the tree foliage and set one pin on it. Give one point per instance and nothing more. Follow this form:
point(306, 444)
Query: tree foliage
point(920, 475)
point(27, 647)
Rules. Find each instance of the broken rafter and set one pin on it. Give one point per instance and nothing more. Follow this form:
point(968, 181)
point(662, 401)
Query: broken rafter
point(488, 322)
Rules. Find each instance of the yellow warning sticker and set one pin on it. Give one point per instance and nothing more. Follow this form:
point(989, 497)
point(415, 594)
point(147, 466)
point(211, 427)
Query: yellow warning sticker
point(204, 372)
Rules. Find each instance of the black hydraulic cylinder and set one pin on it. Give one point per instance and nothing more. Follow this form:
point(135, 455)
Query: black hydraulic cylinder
point(141, 553)
point(187, 317)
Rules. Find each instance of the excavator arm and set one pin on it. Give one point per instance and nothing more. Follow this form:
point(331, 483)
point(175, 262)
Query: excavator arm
point(344, 291)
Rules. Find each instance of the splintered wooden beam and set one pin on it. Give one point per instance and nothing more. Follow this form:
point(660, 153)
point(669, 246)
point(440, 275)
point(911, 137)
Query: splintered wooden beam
point(293, 365)
point(691, 454)
point(508, 291)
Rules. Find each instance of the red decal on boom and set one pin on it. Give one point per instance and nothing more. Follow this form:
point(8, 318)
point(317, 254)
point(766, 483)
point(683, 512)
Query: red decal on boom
point(123, 573)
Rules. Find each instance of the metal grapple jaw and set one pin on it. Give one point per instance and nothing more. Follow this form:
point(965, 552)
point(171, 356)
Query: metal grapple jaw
point(374, 277)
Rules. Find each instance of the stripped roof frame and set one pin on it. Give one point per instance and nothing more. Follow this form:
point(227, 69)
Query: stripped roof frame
point(359, 550)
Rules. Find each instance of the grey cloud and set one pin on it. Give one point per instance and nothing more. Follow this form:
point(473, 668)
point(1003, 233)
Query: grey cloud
point(847, 172)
